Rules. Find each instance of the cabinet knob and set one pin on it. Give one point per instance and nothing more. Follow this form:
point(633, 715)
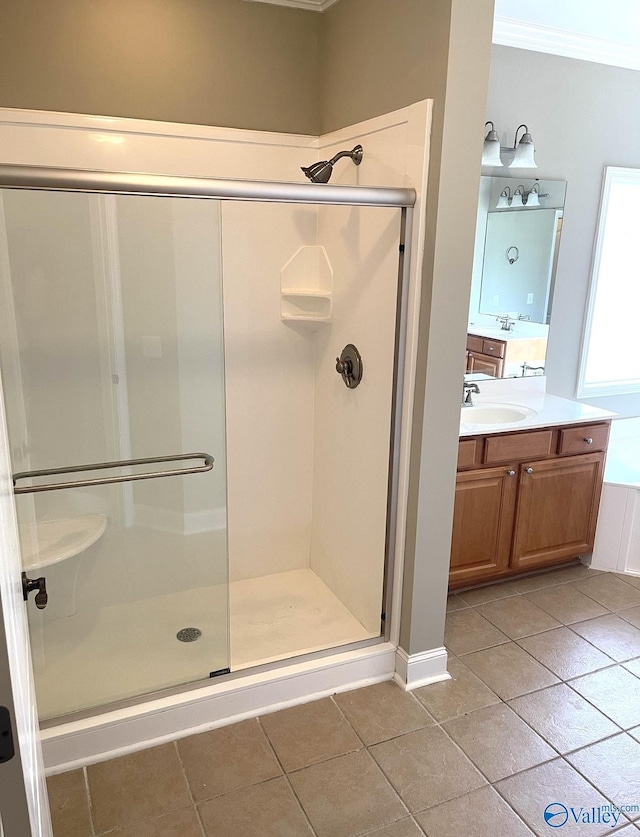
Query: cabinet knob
point(528, 470)
point(490, 348)
point(589, 440)
point(511, 473)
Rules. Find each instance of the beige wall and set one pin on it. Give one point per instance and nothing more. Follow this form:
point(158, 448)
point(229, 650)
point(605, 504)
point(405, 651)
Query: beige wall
point(228, 63)
point(449, 246)
point(211, 62)
point(378, 56)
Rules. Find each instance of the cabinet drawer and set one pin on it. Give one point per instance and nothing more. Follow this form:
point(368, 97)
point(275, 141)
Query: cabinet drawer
point(467, 453)
point(518, 446)
point(495, 348)
point(474, 344)
point(584, 439)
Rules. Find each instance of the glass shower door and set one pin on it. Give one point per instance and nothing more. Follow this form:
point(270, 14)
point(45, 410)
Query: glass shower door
point(111, 350)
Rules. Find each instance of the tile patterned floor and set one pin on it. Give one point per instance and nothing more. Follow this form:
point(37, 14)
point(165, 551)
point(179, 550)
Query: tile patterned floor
point(543, 706)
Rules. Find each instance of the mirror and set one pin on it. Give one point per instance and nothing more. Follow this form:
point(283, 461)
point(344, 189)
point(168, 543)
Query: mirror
point(517, 240)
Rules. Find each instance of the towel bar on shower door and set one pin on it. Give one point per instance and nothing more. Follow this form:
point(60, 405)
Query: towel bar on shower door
point(100, 466)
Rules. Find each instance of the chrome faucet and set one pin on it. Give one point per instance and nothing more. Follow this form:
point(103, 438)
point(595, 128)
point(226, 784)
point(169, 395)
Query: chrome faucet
point(507, 322)
point(467, 390)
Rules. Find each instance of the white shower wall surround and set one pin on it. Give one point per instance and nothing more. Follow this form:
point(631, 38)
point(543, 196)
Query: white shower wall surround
point(301, 458)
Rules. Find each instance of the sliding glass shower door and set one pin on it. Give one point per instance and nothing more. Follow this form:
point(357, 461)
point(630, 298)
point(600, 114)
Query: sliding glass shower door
point(111, 350)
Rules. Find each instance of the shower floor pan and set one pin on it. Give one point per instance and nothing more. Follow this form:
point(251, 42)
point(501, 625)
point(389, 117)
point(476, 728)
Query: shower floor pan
point(95, 658)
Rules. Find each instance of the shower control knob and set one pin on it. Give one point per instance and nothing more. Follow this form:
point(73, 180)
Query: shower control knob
point(343, 367)
point(29, 585)
point(349, 365)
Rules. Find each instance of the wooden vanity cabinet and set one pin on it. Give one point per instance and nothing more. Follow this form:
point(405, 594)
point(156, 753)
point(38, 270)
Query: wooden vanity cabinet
point(478, 362)
point(525, 500)
point(485, 355)
point(557, 510)
point(495, 357)
point(482, 524)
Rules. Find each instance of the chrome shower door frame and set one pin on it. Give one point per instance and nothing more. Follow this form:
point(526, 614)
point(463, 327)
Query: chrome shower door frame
point(41, 178)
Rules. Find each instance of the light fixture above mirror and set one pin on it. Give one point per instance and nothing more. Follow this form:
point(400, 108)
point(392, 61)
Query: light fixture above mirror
point(521, 197)
point(522, 153)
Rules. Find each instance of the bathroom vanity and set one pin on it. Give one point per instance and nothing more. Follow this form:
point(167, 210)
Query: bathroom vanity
point(501, 353)
point(530, 469)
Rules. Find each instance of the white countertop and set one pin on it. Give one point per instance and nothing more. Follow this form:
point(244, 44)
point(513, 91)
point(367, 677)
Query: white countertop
point(529, 392)
point(488, 328)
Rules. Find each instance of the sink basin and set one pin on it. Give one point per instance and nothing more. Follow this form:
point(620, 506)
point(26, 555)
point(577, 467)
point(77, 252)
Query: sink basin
point(496, 414)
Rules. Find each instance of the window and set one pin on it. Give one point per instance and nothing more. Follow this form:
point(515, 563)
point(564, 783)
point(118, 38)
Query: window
point(610, 362)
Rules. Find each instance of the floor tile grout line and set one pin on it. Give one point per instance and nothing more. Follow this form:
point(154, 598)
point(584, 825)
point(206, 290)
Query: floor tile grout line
point(584, 775)
point(188, 784)
point(286, 776)
point(508, 802)
point(410, 813)
point(549, 685)
point(569, 683)
point(510, 806)
point(619, 731)
point(524, 770)
point(85, 774)
point(365, 748)
point(608, 665)
point(593, 645)
point(514, 642)
point(346, 719)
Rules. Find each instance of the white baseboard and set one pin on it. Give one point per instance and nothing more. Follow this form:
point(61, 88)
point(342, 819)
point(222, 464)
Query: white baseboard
point(421, 669)
point(149, 724)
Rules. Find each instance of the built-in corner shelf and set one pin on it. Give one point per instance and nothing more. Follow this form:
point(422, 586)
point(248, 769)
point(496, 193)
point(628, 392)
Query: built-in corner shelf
point(306, 288)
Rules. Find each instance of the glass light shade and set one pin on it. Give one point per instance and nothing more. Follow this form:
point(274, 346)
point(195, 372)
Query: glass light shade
point(523, 158)
point(491, 148)
point(491, 151)
point(533, 199)
point(504, 200)
point(517, 197)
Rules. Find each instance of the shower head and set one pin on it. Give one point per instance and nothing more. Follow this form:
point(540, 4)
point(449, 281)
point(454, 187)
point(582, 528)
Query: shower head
point(321, 172)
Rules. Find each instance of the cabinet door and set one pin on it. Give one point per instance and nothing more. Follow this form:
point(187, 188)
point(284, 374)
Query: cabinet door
point(485, 363)
point(482, 524)
point(557, 509)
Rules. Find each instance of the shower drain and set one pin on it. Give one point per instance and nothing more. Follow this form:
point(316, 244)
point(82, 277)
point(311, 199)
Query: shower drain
point(189, 634)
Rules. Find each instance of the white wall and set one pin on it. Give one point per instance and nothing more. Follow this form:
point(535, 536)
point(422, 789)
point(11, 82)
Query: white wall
point(352, 427)
point(582, 117)
point(270, 392)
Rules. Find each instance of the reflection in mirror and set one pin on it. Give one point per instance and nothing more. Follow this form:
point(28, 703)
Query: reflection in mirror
point(517, 239)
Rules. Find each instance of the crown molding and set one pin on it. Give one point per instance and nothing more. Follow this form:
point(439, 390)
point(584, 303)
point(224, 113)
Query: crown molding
point(522, 35)
point(310, 5)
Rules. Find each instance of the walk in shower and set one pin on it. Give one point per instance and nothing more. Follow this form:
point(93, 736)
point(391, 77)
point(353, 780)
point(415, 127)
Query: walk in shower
point(154, 325)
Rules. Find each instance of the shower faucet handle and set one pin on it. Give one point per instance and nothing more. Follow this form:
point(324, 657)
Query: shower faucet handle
point(343, 366)
point(29, 585)
point(349, 366)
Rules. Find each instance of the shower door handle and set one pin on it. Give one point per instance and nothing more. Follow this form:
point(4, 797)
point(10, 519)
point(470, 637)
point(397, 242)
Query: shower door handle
point(100, 466)
point(29, 585)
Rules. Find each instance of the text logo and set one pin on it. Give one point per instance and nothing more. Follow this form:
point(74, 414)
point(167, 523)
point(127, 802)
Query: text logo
point(556, 815)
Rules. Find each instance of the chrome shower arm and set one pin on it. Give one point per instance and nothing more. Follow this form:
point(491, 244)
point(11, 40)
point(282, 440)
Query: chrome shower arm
point(355, 154)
